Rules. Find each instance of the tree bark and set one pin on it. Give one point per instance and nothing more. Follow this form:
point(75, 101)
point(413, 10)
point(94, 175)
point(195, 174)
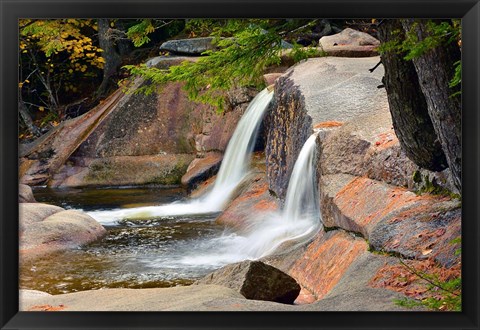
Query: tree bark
point(408, 106)
point(110, 55)
point(27, 119)
point(435, 70)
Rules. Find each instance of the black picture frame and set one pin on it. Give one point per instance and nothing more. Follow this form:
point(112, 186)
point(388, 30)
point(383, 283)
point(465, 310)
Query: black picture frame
point(12, 10)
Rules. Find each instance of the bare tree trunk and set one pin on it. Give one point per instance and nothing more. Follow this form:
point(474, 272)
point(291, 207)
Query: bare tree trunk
point(408, 107)
point(435, 70)
point(110, 55)
point(27, 119)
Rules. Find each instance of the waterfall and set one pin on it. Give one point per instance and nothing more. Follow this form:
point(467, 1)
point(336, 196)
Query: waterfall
point(300, 219)
point(232, 171)
point(295, 225)
point(236, 160)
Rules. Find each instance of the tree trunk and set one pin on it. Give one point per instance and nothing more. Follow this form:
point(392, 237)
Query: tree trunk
point(109, 54)
point(435, 70)
point(27, 119)
point(408, 106)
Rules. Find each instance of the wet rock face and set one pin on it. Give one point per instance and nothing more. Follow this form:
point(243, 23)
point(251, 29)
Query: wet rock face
point(156, 144)
point(254, 199)
point(159, 123)
point(201, 169)
point(256, 280)
point(288, 127)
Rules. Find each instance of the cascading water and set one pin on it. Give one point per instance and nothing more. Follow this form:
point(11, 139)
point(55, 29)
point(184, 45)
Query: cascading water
point(299, 221)
point(234, 167)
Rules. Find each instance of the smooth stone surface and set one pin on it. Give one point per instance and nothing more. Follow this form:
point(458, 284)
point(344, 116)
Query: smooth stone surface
point(30, 213)
point(62, 230)
point(349, 36)
point(339, 89)
point(25, 194)
point(255, 280)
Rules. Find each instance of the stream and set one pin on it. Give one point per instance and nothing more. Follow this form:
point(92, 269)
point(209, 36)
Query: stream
point(156, 252)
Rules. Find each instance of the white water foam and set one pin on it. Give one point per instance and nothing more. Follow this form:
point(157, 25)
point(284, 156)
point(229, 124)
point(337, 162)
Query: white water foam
point(298, 223)
point(233, 170)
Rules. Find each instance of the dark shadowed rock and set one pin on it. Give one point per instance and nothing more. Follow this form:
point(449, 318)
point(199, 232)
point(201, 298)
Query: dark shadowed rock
point(25, 194)
point(201, 169)
point(193, 46)
point(256, 280)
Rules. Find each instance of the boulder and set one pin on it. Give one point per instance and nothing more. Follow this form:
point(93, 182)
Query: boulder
point(349, 43)
point(367, 146)
point(62, 230)
point(25, 194)
point(256, 280)
point(270, 78)
point(164, 62)
point(30, 213)
point(192, 46)
point(201, 169)
point(315, 91)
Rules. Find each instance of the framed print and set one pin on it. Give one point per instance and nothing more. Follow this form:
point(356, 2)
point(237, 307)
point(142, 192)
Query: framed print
point(239, 164)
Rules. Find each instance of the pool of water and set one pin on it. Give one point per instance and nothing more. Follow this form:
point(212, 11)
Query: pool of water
point(157, 252)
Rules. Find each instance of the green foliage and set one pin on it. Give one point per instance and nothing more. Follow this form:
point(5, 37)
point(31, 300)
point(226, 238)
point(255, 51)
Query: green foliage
point(448, 298)
point(244, 49)
point(442, 295)
point(438, 33)
point(138, 33)
point(457, 77)
point(58, 58)
point(427, 186)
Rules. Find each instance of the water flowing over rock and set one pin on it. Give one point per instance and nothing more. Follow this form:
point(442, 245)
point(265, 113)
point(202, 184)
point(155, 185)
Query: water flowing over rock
point(256, 280)
point(266, 231)
point(235, 166)
point(317, 90)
